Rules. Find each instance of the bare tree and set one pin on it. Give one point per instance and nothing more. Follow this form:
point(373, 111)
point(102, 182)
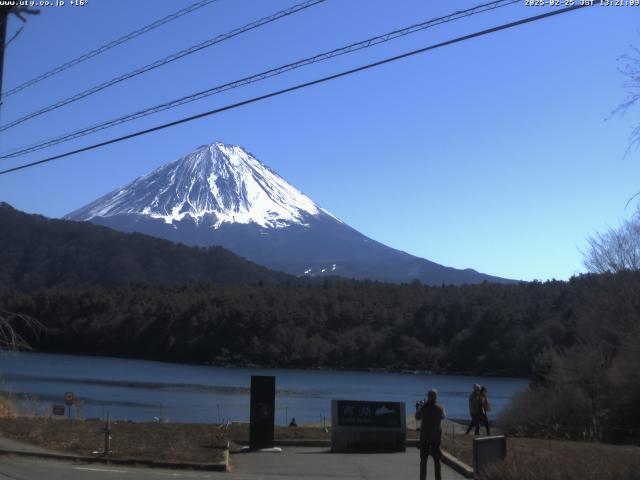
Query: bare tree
point(629, 66)
point(616, 250)
point(10, 323)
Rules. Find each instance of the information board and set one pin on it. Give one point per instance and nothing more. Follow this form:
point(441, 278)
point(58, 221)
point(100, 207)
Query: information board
point(373, 426)
point(352, 413)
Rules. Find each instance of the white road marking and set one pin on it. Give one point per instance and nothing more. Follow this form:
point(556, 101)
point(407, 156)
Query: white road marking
point(162, 474)
point(192, 475)
point(100, 470)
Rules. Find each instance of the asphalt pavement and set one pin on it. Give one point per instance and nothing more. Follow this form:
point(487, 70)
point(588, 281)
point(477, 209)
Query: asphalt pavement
point(319, 463)
point(26, 468)
point(304, 463)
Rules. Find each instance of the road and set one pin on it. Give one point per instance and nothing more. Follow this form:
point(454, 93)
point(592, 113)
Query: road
point(292, 463)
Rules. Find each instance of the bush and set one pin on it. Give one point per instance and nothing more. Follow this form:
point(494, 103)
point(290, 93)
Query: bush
point(569, 398)
point(7, 409)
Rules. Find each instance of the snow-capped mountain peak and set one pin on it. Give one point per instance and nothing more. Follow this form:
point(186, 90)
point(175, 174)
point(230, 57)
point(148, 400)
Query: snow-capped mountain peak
point(222, 195)
point(221, 182)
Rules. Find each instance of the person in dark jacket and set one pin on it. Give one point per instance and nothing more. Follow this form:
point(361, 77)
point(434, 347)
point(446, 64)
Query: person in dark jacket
point(475, 410)
point(431, 415)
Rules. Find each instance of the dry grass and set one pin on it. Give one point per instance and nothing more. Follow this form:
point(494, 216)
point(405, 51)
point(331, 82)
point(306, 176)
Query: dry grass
point(529, 458)
point(7, 410)
point(460, 446)
point(166, 441)
point(157, 441)
point(176, 442)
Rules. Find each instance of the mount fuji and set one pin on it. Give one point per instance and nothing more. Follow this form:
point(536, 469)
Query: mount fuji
point(220, 194)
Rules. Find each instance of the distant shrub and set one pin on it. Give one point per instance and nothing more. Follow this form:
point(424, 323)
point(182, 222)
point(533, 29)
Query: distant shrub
point(568, 399)
point(7, 409)
point(546, 413)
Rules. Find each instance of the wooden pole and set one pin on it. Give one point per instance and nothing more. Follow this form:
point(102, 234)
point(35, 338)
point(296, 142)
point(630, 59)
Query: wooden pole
point(4, 19)
point(107, 435)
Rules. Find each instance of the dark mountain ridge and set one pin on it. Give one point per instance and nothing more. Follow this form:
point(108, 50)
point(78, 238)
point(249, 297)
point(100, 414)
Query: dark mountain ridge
point(38, 252)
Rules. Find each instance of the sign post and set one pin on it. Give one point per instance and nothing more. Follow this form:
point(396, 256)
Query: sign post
point(107, 436)
point(263, 401)
point(68, 401)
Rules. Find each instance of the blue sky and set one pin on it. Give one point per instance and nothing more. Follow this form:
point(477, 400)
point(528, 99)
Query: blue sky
point(495, 154)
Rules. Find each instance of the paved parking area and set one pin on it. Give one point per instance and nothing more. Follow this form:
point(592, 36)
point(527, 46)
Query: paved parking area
point(319, 463)
point(292, 463)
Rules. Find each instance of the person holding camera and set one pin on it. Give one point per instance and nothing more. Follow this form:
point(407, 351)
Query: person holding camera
point(431, 414)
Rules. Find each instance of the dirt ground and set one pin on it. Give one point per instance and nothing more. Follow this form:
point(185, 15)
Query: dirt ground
point(172, 442)
point(176, 442)
point(526, 459)
point(239, 432)
point(167, 441)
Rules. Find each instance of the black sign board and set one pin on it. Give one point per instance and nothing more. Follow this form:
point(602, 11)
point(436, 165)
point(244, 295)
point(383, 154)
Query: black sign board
point(353, 413)
point(58, 409)
point(263, 400)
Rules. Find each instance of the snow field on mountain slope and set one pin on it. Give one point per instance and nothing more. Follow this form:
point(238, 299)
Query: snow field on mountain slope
point(220, 180)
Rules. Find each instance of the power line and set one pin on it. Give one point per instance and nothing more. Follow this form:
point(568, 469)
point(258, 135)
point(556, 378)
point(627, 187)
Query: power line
point(13, 37)
point(370, 42)
point(301, 86)
point(108, 46)
point(163, 61)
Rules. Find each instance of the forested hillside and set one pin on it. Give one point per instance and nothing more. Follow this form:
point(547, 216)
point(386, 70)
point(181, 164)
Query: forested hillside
point(136, 296)
point(37, 252)
point(482, 329)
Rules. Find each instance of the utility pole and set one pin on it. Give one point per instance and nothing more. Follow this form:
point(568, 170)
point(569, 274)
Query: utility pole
point(5, 10)
point(4, 18)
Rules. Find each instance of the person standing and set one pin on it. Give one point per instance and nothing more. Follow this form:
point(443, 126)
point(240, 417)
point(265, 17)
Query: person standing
point(484, 400)
point(431, 414)
point(475, 410)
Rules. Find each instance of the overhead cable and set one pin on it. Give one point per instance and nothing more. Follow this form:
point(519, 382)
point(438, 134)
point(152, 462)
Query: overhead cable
point(300, 86)
point(370, 42)
point(163, 61)
point(108, 46)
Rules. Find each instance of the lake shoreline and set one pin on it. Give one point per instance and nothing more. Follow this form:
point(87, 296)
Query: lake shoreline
point(142, 390)
point(241, 365)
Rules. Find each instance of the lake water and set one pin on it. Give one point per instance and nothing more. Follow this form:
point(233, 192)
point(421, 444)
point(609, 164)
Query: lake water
point(142, 390)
